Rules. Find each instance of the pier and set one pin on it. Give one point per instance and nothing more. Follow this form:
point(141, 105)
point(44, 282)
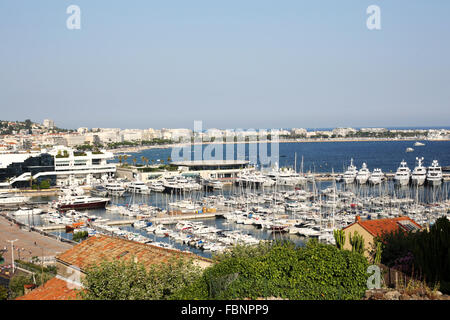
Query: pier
point(156, 220)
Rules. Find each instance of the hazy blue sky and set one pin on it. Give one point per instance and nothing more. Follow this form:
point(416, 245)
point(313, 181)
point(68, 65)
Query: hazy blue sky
point(230, 63)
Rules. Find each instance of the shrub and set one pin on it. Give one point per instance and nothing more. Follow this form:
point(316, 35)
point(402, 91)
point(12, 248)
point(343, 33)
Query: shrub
point(80, 236)
point(427, 252)
point(121, 280)
point(45, 184)
point(317, 271)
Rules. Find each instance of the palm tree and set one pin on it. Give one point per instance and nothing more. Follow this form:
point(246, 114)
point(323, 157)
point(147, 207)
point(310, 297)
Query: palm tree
point(31, 181)
point(134, 161)
point(144, 160)
point(120, 157)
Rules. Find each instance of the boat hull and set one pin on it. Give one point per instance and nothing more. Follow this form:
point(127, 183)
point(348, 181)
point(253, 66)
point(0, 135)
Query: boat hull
point(90, 205)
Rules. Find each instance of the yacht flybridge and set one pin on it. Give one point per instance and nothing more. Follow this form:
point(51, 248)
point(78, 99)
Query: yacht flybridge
point(419, 173)
point(434, 174)
point(115, 189)
point(363, 174)
point(403, 174)
point(350, 174)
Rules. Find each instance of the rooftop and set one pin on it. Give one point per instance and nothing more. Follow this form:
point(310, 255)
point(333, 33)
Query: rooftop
point(210, 162)
point(54, 289)
point(379, 226)
point(96, 249)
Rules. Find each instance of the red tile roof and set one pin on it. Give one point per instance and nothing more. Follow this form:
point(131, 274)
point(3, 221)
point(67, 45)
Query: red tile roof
point(53, 289)
point(379, 226)
point(94, 250)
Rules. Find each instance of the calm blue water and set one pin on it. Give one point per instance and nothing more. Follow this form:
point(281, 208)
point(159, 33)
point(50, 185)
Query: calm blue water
point(328, 156)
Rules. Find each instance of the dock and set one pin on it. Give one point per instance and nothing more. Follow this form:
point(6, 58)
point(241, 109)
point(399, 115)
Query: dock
point(156, 220)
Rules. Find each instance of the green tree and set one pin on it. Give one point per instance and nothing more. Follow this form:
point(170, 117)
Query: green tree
point(17, 282)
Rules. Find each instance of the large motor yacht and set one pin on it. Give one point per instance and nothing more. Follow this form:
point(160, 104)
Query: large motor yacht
point(80, 202)
point(419, 173)
point(434, 174)
point(363, 174)
point(350, 174)
point(377, 176)
point(115, 189)
point(403, 174)
point(138, 187)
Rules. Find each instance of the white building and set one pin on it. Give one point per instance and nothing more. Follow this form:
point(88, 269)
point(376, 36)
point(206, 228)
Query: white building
point(343, 132)
point(299, 132)
point(131, 134)
point(73, 140)
point(49, 124)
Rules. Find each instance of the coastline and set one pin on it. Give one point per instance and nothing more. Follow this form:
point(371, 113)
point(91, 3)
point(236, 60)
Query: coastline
point(137, 149)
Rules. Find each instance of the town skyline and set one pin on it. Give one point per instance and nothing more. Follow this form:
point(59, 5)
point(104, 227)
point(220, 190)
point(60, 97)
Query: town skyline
point(229, 64)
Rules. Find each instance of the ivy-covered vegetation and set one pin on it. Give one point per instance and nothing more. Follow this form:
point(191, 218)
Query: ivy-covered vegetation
point(282, 270)
point(315, 272)
point(424, 254)
point(120, 280)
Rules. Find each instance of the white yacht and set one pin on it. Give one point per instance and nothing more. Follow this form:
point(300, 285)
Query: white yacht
point(409, 149)
point(27, 212)
point(419, 173)
point(434, 174)
point(363, 174)
point(350, 174)
point(403, 174)
point(115, 189)
point(138, 187)
point(12, 199)
point(156, 186)
point(419, 144)
point(377, 176)
point(212, 184)
point(285, 176)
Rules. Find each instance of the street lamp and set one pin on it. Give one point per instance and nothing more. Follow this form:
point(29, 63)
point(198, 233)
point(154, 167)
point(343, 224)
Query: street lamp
point(12, 253)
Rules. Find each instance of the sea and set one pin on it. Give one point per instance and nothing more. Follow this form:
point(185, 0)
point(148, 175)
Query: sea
point(317, 156)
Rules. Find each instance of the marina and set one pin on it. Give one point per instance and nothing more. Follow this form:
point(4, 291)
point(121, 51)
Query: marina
point(207, 221)
point(208, 206)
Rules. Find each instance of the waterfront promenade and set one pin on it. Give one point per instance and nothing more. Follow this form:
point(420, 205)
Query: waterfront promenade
point(29, 244)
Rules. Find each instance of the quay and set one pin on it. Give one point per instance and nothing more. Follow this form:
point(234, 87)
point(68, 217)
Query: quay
point(156, 220)
point(29, 242)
